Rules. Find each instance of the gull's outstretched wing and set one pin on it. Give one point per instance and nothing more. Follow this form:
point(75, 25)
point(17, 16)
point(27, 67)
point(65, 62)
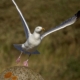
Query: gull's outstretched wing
point(26, 28)
point(63, 25)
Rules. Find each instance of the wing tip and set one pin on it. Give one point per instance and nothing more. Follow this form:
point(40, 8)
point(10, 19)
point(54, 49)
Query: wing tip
point(77, 14)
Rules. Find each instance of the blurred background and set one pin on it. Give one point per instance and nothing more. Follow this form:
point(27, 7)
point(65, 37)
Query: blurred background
point(60, 51)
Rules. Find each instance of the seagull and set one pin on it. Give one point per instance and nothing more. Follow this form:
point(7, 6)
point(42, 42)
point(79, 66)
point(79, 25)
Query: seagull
point(34, 39)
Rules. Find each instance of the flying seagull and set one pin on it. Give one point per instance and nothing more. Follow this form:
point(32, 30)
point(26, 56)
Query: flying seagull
point(35, 38)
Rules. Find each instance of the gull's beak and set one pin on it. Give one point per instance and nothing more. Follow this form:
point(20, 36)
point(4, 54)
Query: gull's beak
point(43, 29)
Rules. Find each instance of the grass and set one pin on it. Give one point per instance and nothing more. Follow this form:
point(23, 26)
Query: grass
point(60, 51)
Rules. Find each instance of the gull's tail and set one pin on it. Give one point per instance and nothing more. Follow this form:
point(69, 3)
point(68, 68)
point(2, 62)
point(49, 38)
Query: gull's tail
point(18, 46)
point(36, 52)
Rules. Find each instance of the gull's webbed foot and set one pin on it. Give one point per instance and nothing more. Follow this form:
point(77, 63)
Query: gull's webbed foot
point(18, 59)
point(26, 63)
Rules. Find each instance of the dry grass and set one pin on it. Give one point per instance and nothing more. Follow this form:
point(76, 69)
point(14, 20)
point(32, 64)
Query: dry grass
point(60, 51)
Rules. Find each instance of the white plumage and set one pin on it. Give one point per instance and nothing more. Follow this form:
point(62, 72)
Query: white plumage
point(33, 40)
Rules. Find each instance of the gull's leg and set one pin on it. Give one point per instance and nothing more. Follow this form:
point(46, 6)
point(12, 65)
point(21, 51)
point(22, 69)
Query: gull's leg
point(18, 59)
point(26, 62)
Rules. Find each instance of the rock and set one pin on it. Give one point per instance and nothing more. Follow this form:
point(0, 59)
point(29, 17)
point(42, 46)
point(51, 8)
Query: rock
point(20, 73)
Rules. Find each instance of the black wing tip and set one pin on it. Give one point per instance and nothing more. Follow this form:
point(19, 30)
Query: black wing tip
point(77, 14)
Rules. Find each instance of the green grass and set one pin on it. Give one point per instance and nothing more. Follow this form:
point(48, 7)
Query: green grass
point(60, 51)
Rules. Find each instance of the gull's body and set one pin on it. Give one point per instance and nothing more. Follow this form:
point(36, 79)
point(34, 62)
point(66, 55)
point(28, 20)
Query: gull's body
point(32, 42)
point(35, 38)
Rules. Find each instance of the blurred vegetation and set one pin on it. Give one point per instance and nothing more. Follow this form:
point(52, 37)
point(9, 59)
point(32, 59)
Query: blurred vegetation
point(60, 51)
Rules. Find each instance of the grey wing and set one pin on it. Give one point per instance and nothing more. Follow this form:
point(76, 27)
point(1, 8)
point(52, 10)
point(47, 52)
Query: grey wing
point(26, 28)
point(63, 25)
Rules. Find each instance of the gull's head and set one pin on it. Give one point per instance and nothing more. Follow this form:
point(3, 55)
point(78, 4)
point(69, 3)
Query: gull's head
point(38, 29)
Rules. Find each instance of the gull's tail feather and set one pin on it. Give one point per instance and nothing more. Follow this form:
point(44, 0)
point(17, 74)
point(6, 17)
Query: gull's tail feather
point(18, 46)
point(35, 52)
